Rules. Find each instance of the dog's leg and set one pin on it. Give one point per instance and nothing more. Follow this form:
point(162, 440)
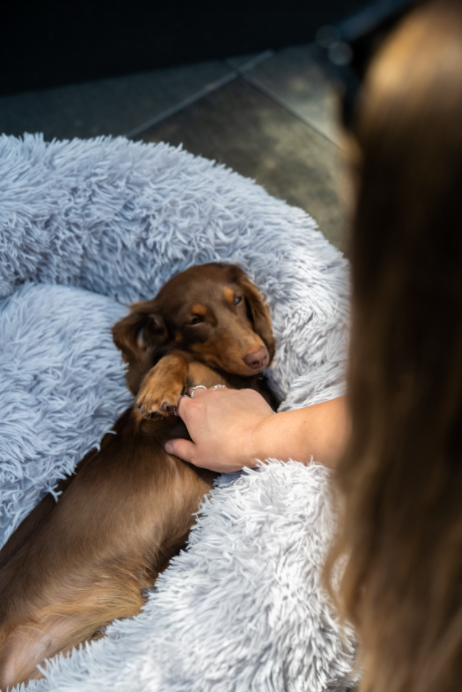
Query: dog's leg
point(162, 386)
point(199, 373)
point(165, 382)
point(60, 630)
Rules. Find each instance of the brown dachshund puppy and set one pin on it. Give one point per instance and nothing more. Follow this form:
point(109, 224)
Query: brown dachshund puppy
point(75, 565)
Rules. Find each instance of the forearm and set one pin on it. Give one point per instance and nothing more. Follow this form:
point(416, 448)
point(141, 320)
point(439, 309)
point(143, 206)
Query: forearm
point(319, 432)
point(231, 429)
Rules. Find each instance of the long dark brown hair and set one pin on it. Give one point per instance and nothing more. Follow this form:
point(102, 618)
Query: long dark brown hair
point(400, 479)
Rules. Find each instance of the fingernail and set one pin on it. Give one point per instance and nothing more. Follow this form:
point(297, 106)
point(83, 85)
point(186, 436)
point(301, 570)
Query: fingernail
point(168, 448)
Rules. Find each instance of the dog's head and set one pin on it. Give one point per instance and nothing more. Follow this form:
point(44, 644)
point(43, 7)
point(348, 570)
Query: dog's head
point(213, 311)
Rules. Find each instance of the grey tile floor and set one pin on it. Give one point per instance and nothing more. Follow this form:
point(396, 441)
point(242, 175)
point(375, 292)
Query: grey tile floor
point(269, 116)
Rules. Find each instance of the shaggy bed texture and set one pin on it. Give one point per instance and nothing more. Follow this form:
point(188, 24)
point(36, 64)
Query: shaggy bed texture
point(86, 228)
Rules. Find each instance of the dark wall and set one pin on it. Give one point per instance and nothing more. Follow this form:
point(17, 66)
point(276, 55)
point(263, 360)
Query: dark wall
point(54, 42)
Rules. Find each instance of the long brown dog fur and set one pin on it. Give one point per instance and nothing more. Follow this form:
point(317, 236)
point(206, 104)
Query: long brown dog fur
point(75, 565)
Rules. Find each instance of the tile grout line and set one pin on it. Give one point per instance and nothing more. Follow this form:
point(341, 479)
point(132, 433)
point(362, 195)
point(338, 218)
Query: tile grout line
point(236, 73)
point(210, 88)
point(271, 95)
point(251, 63)
point(180, 106)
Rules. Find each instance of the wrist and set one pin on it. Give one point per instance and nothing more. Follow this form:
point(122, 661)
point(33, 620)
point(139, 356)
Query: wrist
point(255, 444)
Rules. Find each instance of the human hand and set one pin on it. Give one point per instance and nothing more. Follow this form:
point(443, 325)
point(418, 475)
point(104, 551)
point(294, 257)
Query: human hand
point(224, 425)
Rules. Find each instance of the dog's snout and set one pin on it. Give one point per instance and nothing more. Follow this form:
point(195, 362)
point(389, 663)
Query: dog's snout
point(257, 359)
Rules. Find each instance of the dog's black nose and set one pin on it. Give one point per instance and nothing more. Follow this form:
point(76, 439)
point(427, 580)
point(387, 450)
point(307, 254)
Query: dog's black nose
point(257, 359)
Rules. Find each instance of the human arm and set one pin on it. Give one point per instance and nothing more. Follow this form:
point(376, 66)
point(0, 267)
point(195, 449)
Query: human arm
point(231, 429)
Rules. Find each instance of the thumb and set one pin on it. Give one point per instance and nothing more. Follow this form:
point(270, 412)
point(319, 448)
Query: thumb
point(184, 449)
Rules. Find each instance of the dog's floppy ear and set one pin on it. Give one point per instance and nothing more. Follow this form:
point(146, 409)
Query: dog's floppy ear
point(138, 335)
point(259, 313)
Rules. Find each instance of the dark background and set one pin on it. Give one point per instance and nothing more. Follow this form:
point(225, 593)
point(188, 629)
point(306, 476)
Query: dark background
point(55, 42)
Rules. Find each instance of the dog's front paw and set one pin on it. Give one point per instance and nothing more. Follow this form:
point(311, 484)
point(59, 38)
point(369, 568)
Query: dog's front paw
point(162, 387)
point(156, 401)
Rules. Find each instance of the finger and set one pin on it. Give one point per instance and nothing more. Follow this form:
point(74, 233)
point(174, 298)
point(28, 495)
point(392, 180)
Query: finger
point(185, 401)
point(182, 406)
point(184, 449)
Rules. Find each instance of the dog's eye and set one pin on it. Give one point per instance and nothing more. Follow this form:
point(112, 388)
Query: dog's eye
point(196, 320)
point(237, 300)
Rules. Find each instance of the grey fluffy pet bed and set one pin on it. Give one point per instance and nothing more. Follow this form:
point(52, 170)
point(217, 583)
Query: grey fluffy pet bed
point(86, 228)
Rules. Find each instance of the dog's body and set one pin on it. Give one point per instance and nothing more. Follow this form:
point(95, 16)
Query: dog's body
point(75, 565)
